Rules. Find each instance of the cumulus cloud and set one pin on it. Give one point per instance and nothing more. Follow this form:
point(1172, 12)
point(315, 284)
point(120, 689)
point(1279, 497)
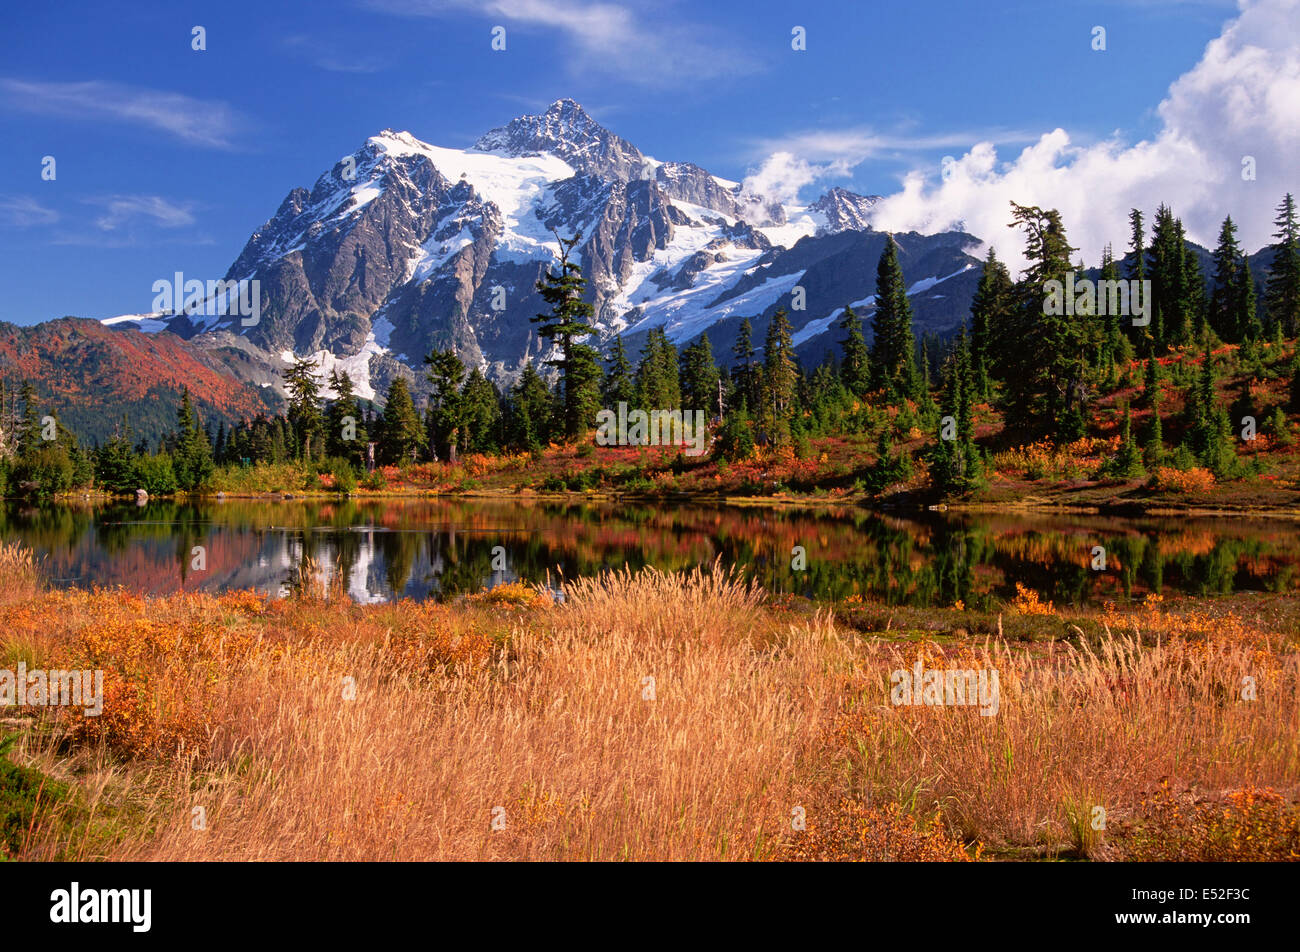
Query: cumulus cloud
point(781, 176)
point(1241, 99)
point(805, 158)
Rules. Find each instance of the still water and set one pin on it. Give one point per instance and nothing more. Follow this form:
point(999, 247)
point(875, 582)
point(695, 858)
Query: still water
point(441, 548)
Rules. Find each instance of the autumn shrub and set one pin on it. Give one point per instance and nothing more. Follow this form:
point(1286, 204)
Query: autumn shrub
point(1194, 480)
point(850, 830)
point(517, 594)
point(1249, 824)
point(263, 477)
point(376, 480)
point(1027, 602)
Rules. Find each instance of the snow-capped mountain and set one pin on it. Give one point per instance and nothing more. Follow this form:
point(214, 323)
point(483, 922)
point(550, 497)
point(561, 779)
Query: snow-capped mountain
point(845, 210)
point(405, 246)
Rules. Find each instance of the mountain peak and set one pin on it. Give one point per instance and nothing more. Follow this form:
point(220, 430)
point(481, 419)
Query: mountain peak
point(568, 131)
point(566, 106)
point(845, 210)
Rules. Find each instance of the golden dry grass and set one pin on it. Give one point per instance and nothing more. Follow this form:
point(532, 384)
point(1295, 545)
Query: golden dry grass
point(1076, 730)
point(316, 729)
point(19, 577)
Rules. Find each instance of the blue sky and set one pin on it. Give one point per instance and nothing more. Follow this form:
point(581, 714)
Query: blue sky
point(168, 158)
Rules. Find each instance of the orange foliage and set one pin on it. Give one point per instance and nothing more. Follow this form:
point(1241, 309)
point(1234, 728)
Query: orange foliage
point(1246, 825)
point(1026, 602)
point(851, 831)
point(1195, 480)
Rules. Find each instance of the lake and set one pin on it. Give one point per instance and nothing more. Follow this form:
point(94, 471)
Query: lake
point(421, 548)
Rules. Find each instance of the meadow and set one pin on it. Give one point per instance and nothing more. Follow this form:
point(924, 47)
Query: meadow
point(645, 716)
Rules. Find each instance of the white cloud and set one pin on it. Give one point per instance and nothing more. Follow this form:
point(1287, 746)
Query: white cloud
point(121, 209)
point(607, 38)
point(326, 55)
point(850, 147)
point(783, 174)
point(803, 158)
point(24, 212)
point(196, 121)
point(1242, 98)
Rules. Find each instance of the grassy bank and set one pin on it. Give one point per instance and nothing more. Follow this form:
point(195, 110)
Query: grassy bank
point(313, 728)
point(1036, 478)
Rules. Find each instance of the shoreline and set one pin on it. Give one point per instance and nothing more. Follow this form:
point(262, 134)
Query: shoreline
point(1119, 509)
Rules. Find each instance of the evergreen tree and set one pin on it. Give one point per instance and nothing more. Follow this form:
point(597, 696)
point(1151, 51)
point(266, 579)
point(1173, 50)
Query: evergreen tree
point(566, 324)
point(1151, 381)
point(529, 412)
point(1137, 246)
point(780, 378)
point(581, 390)
point(482, 414)
point(1166, 279)
point(114, 460)
point(1128, 461)
point(262, 440)
point(893, 355)
point(826, 397)
point(736, 438)
point(1224, 313)
point(346, 436)
point(29, 430)
point(744, 373)
point(1137, 272)
point(446, 410)
point(619, 385)
point(699, 377)
point(1153, 452)
point(855, 367)
point(1186, 290)
point(1246, 316)
point(1111, 344)
point(1209, 431)
point(1192, 303)
point(401, 436)
point(304, 404)
point(990, 312)
point(1282, 292)
point(192, 454)
point(657, 376)
point(955, 463)
point(1295, 381)
point(281, 447)
point(889, 467)
point(1045, 378)
point(926, 403)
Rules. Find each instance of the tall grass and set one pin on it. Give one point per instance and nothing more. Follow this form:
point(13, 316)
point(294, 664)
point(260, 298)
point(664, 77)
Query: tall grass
point(644, 716)
point(19, 575)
